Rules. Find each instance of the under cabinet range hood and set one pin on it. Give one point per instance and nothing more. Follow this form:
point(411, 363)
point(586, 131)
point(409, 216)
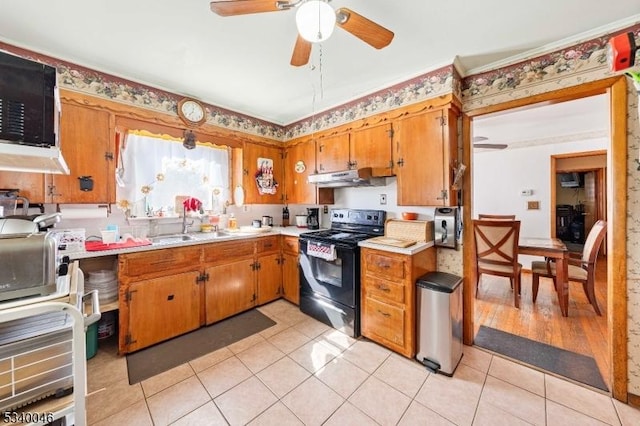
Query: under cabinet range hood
point(34, 159)
point(355, 177)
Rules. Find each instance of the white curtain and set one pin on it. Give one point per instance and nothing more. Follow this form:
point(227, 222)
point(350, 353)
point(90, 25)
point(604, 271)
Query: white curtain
point(157, 170)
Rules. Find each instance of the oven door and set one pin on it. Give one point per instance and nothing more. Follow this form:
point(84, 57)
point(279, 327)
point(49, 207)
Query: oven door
point(335, 279)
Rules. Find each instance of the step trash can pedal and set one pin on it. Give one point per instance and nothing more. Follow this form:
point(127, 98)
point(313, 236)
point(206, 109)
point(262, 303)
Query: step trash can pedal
point(439, 322)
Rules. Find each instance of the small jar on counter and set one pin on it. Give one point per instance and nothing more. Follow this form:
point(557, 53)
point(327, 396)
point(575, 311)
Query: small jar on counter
point(233, 222)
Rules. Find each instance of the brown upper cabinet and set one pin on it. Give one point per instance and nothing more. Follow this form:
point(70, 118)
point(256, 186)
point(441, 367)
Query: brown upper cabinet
point(366, 147)
point(372, 147)
point(89, 152)
point(426, 152)
point(251, 155)
point(332, 153)
point(31, 185)
point(300, 162)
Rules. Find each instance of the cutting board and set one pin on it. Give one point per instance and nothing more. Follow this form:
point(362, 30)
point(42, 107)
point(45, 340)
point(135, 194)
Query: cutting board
point(99, 245)
point(395, 242)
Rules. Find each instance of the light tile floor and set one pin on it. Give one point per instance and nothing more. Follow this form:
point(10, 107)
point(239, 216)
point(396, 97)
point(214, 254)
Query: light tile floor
point(300, 372)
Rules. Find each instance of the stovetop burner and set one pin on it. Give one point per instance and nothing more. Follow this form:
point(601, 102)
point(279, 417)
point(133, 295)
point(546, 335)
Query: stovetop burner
point(350, 226)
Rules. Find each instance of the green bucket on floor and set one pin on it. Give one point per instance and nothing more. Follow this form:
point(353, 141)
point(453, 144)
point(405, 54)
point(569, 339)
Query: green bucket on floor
point(92, 340)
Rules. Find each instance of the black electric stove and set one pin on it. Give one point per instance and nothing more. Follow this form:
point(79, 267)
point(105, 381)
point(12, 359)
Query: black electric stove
point(329, 266)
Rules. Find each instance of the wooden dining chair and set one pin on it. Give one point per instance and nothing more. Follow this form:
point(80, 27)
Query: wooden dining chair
point(497, 216)
point(582, 267)
point(496, 250)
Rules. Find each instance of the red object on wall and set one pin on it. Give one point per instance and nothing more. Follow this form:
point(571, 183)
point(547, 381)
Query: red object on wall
point(621, 52)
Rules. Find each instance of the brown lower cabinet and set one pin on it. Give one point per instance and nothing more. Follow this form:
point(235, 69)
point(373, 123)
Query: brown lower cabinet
point(229, 290)
point(162, 308)
point(290, 275)
point(388, 296)
point(168, 292)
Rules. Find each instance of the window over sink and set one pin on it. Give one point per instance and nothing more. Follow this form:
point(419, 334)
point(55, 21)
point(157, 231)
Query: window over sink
point(154, 172)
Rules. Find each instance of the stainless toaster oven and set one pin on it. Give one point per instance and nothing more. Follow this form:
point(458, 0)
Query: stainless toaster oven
point(27, 262)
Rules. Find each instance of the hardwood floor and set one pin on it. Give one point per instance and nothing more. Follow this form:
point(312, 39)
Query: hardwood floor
point(582, 331)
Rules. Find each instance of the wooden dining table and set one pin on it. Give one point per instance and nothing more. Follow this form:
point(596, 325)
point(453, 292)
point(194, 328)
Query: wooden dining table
point(557, 250)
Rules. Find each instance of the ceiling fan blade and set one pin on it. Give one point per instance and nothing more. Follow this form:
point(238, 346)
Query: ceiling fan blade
point(245, 7)
point(490, 145)
point(361, 27)
point(301, 52)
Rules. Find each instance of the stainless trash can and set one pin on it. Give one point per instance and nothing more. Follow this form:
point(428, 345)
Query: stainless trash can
point(439, 322)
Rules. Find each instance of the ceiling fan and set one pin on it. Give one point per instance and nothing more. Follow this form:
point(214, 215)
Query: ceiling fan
point(478, 142)
point(315, 20)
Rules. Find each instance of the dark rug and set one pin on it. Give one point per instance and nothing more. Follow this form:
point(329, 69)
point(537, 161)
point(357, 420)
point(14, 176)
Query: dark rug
point(574, 366)
point(166, 355)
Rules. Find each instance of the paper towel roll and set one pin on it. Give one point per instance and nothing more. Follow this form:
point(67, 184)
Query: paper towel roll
point(83, 213)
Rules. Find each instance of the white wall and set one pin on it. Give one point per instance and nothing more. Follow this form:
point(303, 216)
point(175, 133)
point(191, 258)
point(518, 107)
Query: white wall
point(500, 176)
point(369, 198)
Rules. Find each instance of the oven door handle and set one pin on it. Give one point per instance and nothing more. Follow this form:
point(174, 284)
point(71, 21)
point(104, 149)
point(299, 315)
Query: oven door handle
point(336, 245)
point(95, 315)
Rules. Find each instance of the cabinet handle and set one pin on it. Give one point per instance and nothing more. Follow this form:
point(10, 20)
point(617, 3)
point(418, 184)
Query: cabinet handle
point(383, 288)
point(383, 265)
point(400, 162)
point(384, 314)
point(170, 297)
point(245, 172)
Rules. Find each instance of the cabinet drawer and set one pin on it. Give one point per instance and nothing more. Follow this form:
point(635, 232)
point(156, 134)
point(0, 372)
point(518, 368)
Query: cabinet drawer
point(267, 244)
point(171, 259)
point(290, 245)
point(385, 321)
point(228, 250)
point(385, 290)
point(384, 265)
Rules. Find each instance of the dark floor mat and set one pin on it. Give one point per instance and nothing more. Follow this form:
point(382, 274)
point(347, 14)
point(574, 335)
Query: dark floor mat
point(166, 355)
point(574, 366)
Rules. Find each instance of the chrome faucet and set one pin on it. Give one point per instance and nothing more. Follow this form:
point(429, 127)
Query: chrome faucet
point(185, 224)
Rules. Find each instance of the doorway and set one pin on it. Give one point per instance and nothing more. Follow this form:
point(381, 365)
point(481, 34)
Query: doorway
point(615, 89)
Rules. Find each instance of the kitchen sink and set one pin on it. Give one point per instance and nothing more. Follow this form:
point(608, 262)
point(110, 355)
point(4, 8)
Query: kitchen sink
point(168, 239)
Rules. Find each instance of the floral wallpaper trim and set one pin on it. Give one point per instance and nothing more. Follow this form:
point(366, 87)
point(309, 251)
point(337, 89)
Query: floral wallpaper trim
point(581, 59)
point(80, 79)
point(420, 88)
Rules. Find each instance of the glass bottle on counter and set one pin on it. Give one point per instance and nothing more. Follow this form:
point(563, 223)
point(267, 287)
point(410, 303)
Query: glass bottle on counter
point(233, 222)
point(285, 216)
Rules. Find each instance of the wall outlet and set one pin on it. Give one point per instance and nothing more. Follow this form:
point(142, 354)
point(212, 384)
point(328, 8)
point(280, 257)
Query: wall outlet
point(245, 208)
point(383, 198)
point(526, 192)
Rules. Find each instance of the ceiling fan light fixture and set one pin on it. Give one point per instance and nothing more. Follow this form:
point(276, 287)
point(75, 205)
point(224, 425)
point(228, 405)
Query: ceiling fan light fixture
point(315, 20)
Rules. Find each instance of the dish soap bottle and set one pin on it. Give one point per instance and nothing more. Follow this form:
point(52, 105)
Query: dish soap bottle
point(233, 222)
point(285, 216)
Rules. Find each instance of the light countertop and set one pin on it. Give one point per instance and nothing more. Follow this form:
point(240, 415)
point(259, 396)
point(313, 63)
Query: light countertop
point(196, 238)
point(411, 250)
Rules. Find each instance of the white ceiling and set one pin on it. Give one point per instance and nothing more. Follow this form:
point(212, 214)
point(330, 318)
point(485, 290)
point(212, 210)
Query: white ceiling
point(242, 62)
point(541, 124)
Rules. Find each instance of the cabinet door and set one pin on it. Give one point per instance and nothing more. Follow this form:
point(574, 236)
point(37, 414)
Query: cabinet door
point(298, 190)
point(332, 153)
point(269, 278)
point(371, 147)
point(290, 278)
point(162, 308)
point(31, 185)
point(230, 289)
point(251, 156)
point(420, 160)
point(87, 149)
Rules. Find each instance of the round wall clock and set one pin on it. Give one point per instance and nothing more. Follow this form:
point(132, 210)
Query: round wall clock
point(192, 112)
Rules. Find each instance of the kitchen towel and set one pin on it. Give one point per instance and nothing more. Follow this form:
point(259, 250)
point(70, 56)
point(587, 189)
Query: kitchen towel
point(322, 250)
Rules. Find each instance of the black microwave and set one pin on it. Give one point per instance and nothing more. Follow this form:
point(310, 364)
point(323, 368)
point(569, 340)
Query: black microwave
point(28, 112)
